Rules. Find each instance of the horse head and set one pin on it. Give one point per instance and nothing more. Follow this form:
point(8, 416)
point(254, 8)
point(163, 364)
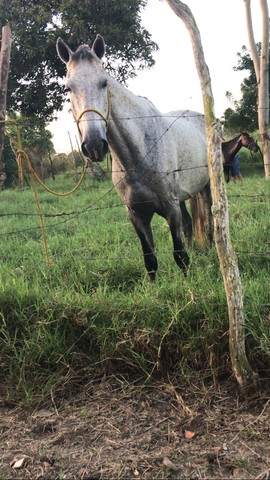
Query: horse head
point(87, 83)
point(248, 142)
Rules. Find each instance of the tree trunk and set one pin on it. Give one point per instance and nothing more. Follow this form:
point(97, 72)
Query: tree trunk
point(243, 373)
point(263, 93)
point(261, 66)
point(4, 70)
point(251, 39)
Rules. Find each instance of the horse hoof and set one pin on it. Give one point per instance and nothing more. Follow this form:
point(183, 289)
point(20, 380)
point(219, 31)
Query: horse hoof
point(182, 260)
point(152, 276)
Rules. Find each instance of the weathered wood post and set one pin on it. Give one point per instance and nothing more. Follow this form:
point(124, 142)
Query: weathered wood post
point(4, 71)
point(228, 263)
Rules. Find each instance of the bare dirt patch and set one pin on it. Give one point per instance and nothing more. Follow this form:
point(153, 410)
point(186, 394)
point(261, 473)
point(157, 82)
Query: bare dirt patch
point(114, 430)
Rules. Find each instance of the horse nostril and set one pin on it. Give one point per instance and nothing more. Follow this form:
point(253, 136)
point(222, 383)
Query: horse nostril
point(84, 149)
point(96, 151)
point(105, 148)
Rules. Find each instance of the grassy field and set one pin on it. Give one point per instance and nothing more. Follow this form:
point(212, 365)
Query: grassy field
point(93, 311)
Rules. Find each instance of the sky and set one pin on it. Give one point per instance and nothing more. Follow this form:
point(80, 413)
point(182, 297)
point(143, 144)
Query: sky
point(173, 83)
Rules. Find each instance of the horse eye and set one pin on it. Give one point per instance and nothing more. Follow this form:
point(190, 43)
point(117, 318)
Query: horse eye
point(104, 83)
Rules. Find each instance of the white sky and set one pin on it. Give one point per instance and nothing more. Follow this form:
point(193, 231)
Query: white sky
point(173, 82)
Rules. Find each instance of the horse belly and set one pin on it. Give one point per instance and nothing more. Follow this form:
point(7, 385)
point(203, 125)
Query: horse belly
point(190, 184)
point(189, 161)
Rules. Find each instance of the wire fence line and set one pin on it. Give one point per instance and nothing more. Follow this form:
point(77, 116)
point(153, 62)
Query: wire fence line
point(157, 251)
point(146, 169)
point(187, 113)
point(250, 166)
point(124, 252)
point(174, 115)
point(73, 215)
point(92, 207)
point(125, 172)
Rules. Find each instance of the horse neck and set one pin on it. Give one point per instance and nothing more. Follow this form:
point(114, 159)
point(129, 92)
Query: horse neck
point(126, 130)
point(231, 148)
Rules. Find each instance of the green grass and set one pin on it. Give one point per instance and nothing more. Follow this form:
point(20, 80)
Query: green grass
point(94, 311)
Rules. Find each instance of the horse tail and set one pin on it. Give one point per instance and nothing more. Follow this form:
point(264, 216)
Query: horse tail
point(187, 224)
point(202, 217)
point(197, 218)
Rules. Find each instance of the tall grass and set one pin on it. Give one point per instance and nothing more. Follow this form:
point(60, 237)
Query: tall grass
point(94, 311)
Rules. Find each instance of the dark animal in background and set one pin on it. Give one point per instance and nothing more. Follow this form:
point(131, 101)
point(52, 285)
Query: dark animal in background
point(232, 147)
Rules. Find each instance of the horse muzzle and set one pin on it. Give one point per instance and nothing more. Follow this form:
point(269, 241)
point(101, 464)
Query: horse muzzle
point(255, 147)
point(95, 151)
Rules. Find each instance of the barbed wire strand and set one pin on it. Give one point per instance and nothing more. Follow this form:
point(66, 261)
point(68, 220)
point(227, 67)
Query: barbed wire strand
point(120, 204)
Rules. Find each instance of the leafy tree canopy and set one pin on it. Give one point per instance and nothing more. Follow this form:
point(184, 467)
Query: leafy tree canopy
point(244, 115)
point(34, 86)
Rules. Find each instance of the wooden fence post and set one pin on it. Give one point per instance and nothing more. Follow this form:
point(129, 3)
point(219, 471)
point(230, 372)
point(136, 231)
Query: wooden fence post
point(4, 71)
point(228, 262)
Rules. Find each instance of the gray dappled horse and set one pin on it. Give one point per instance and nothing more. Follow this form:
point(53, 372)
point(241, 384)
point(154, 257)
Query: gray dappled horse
point(158, 160)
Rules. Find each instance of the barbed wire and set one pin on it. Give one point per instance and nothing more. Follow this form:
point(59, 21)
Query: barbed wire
point(172, 114)
point(175, 115)
point(68, 173)
point(157, 251)
point(75, 214)
point(91, 207)
point(257, 254)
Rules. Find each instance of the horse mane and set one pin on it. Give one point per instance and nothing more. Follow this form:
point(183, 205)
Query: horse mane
point(230, 148)
point(83, 53)
point(225, 146)
point(147, 99)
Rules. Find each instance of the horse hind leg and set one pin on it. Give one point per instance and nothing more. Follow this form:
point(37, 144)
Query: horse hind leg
point(142, 226)
point(174, 219)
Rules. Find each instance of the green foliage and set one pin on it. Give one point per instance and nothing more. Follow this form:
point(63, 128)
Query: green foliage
point(94, 311)
point(37, 143)
point(244, 114)
point(34, 86)
point(11, 167)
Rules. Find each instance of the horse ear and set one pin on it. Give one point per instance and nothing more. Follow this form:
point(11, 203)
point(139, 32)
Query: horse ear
point(63, 50)
point(99, 46)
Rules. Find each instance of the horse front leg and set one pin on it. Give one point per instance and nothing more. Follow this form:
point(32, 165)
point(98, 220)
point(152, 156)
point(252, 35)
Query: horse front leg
point(142, 226)
point(174, 220)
